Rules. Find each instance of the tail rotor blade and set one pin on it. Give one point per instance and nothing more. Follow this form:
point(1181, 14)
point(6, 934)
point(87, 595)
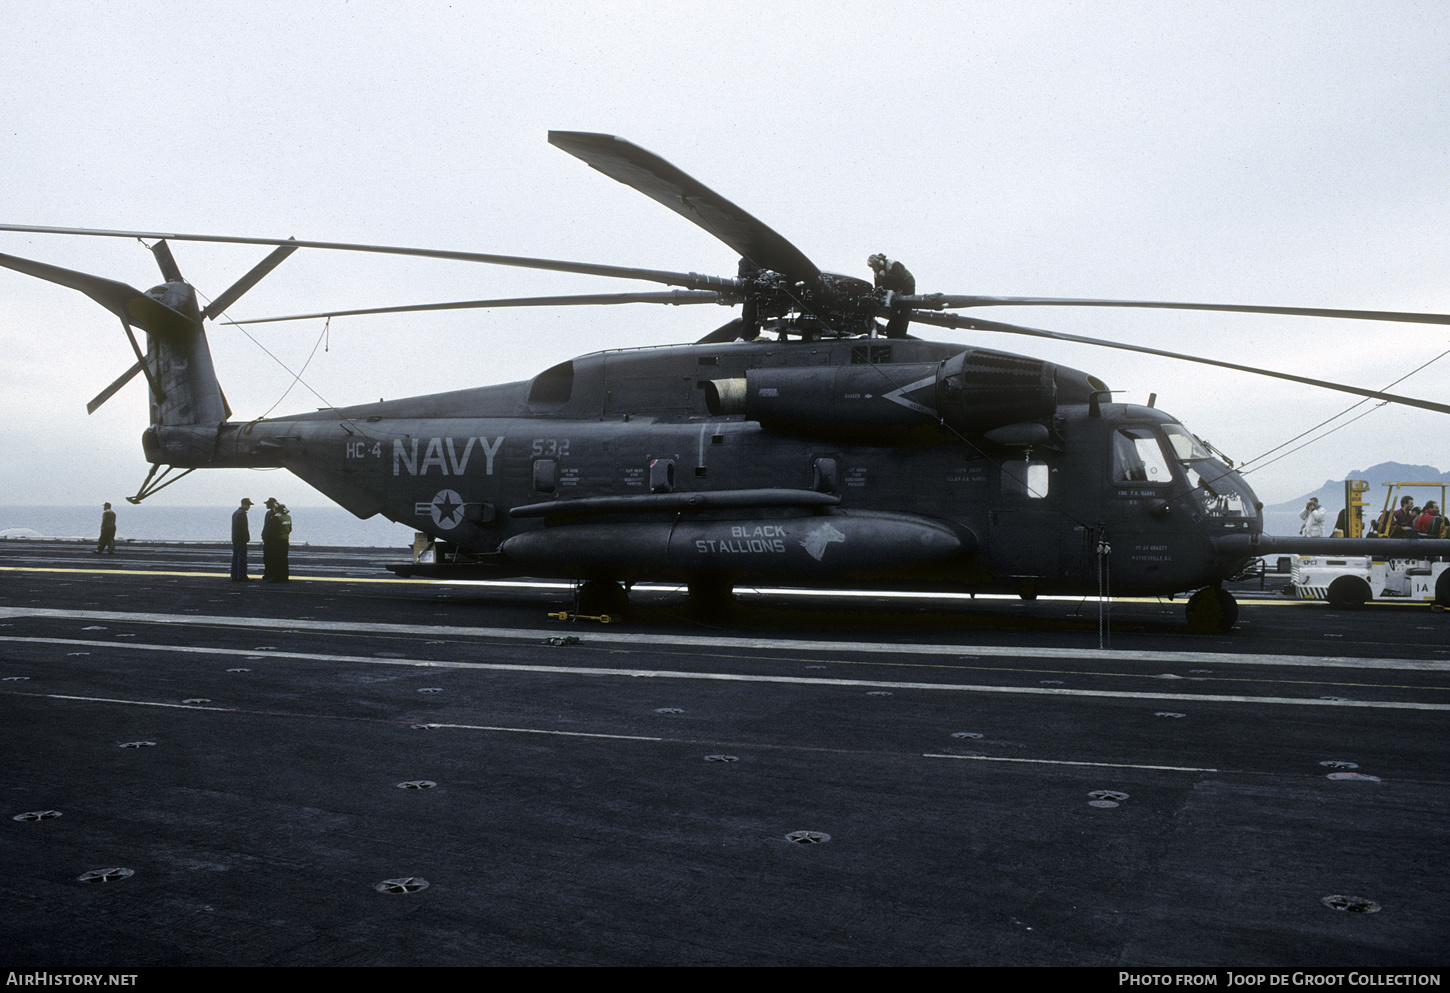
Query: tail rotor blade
point(170, 271)
point(110, 391)
point(235, 291)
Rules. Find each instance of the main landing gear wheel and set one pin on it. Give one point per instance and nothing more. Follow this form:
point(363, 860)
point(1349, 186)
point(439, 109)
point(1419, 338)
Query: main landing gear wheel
point(601, 596)
point(711, 597)
point(1212, 610)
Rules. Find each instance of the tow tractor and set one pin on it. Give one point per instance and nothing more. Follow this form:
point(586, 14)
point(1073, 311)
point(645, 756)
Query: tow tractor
point(1351, 580)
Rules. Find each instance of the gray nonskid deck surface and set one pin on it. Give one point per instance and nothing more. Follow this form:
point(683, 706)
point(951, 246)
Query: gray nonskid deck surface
point(258, 756)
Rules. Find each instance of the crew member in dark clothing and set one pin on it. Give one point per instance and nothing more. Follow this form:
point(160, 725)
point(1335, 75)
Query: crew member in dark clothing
point(241, 534)
point(269, 536)
point(895, 279)
point(281, 542)
point(749, 313)
point(275, 531)
point(107, 543)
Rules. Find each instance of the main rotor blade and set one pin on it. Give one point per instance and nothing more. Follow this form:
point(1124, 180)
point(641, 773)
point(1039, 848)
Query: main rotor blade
point(664, 183)
point(664, 296)
point(974, 324)
point(126, 302)
point(252, 278)
point(690, 280)
point(110, 391)
point(941, 301)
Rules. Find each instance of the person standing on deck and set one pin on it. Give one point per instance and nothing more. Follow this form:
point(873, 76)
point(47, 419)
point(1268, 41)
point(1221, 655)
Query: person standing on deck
point(241, 534)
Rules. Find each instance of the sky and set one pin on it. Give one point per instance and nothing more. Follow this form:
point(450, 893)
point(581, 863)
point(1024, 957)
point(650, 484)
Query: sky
point(1285, 153)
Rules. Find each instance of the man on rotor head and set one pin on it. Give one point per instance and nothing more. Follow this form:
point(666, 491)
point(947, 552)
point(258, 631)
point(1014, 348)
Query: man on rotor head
point(895, 279)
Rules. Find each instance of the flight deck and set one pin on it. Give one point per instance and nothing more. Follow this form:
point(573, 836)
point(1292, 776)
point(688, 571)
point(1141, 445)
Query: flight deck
point(353, 769)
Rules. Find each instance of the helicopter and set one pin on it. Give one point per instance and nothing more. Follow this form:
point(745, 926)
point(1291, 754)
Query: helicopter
point(810, 442)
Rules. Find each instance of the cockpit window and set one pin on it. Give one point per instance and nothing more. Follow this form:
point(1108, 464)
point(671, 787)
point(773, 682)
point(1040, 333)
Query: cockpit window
point(1138, 458)
point(1185, 446)
point(1218, 491)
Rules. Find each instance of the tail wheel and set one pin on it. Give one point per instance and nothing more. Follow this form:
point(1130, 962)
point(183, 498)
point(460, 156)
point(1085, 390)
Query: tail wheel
point(1348, 592)
point(1212, 610)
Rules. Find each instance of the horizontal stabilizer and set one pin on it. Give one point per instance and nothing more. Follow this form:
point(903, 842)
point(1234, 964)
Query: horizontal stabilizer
point(128, 303)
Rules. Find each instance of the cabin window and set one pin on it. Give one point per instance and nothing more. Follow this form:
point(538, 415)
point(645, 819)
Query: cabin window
point(545, 474)
point(1026, 480)
point(1138, 458)
point(662, 476)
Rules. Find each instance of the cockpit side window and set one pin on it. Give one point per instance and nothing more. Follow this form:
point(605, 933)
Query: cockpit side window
point(1138, 458)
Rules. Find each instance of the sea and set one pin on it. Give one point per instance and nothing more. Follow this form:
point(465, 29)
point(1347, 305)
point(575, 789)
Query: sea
point(310, 525)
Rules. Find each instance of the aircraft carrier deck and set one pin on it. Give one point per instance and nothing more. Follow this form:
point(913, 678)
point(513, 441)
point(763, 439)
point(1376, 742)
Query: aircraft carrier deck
point(826, 780)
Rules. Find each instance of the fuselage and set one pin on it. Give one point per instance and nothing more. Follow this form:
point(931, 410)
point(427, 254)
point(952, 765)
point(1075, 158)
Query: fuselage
point(851, 461)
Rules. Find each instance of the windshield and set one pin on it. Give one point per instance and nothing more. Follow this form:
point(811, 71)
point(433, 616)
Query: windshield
point(1142, 455)
point(1216, 487)
point(1185, 446)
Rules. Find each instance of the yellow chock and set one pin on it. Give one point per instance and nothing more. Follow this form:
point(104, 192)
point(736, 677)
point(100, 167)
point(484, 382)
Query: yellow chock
point(564, 615)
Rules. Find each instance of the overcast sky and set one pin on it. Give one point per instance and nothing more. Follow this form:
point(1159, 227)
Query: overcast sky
point(1290, 153)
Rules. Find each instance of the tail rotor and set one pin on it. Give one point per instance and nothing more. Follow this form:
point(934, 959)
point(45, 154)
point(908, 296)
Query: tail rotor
point(176, 362)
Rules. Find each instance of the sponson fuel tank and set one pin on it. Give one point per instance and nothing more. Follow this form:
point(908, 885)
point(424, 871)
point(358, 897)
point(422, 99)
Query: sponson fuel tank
point(841, 546)
point(971, 392)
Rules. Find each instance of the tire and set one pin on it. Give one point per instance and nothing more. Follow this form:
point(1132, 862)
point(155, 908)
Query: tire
point(599, 597)
point(1442, 589)
point(1348, 593)
point(711, 597)
point(1212, 610)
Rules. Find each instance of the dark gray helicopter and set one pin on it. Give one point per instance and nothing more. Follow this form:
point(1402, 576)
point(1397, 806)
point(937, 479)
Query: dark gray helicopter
point(804, 443)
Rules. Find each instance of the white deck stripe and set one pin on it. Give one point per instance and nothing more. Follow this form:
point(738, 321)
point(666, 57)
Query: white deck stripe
point(1100, 765)
point(239, 710)
point(603, 634)
point(1180, 698)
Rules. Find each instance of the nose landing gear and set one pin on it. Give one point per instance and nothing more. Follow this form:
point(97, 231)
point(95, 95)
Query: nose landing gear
point(1212, 610)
